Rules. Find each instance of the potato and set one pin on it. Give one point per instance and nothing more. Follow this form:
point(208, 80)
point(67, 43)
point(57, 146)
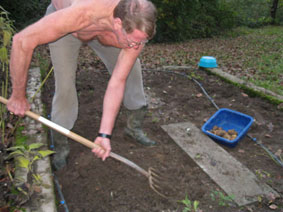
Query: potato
point(229, 135)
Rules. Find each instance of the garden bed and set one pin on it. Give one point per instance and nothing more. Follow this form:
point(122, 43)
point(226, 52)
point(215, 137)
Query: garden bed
point(88, 184)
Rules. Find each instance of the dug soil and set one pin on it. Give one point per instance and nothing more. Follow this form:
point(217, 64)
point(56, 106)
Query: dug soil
point(90, 185)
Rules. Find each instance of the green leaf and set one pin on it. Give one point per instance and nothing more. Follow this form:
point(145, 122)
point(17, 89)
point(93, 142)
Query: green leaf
point(196, 204)
point(187, 202)
point(22, 190)
point(35, 158)
point(23, 162)
point(222, 196)
point(35, 146)
point(6, 37)
point(3, 55)
point(45, 153)
point(14, 148)
point(37, 177)
point(212, 197)
point(15, 154)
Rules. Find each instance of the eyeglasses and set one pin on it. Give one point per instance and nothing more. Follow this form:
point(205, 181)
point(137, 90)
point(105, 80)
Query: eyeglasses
point(131, 43)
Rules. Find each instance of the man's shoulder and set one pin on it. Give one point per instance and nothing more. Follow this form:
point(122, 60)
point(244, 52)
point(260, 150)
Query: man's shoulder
point(95, 8)
point(61, 4)
point(94, 3)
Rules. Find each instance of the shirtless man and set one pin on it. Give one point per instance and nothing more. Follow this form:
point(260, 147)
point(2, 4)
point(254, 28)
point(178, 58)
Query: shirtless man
point(117, 31)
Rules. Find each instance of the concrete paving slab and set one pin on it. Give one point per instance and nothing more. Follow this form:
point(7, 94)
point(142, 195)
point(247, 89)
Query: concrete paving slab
point(232, 176)
point(45, 200)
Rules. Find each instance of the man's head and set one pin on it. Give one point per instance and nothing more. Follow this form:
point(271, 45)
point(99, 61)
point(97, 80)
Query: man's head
point(137, 14)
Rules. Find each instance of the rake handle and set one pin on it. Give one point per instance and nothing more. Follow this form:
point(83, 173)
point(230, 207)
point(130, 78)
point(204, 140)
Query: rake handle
point(77, 138)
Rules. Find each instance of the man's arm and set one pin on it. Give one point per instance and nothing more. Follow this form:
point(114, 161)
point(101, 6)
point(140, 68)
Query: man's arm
point(114, 96)
point(46, 30)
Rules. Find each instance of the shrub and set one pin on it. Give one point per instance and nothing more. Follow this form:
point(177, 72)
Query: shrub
point(181, 20)
point(255, 13)
point(25, 12)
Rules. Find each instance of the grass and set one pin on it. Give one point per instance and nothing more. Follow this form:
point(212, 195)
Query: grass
point(254, 55)
point(268, 59)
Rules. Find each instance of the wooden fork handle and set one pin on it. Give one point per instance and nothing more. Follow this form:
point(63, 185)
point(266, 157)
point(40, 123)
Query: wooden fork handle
point(77, 137)
point(56, 127)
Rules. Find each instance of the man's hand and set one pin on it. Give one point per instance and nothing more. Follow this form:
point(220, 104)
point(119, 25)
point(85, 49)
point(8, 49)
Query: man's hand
point(18, 106)
point(104, 148)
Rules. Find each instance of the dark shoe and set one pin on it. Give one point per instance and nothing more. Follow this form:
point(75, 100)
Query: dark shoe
point(134, 127)
point(62, 149)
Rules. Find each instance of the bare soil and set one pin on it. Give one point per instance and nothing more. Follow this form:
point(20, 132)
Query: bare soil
point(89, 185)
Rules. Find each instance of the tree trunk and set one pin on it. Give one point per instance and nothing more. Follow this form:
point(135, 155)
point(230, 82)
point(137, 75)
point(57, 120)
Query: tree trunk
point(273, 10)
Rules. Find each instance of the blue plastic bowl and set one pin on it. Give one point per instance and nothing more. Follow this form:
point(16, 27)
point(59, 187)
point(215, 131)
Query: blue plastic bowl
point(228, 119)
point(208, 62)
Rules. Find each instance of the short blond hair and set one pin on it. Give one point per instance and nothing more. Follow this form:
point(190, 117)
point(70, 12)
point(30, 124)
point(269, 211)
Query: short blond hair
point(137, 14)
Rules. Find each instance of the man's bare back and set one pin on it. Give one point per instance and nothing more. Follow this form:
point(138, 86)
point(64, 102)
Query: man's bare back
point(100, 19)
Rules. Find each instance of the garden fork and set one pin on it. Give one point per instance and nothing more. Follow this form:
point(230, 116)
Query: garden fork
point(152, 174)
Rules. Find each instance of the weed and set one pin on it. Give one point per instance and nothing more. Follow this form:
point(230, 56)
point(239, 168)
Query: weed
point(155, 120)
point(262, 174)
point(222, 199)
point(190, 206)
point(43, 64)
point(20, 138)
point(27, 155)
point(6, 32)
point(195, 76)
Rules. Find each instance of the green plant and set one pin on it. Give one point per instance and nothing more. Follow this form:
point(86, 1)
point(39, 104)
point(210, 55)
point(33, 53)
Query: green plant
point(26, 156)
point(190, 205)
point(195, 76)
point(262, 174)
point(6, 32)
point(25, 12)
point(43, 64)
point(222, 199)
point(20, 138)
point(16, 209)
point(155, 119)
point(182, 19)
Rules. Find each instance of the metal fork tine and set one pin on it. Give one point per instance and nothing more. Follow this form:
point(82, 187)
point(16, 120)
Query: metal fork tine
point(152, 170)
point(157, 175)
point(156, 182)
point(155, 187)
point(159, 181)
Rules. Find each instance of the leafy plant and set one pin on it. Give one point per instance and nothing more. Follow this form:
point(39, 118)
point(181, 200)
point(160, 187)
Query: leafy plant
point(222, 199)
point(254, 13)
point(190, 206)
point(25, 12)
point(262, 174)
point(185, 19)
point(6, 32)
point(26, 156)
